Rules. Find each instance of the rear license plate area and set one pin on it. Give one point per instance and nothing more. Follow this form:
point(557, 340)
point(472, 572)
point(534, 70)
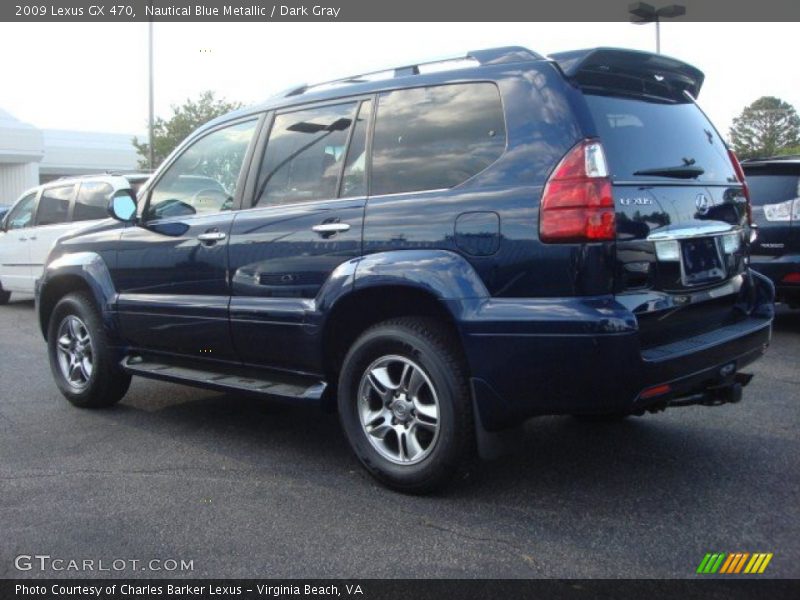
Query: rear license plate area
point(701, 261)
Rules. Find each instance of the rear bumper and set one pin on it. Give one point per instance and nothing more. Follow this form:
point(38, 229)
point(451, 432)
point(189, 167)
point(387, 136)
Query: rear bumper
point(583, 355)
point(776, 268)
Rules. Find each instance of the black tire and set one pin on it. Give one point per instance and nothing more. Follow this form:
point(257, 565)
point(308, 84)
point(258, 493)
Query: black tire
point(4, 297)
point(431, 348)
point(107, 383)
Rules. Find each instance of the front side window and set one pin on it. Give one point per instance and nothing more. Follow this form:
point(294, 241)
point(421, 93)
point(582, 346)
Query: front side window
point(92, 201)
point(22, 214)
point(203, 179)
point(435, 137)
point(54, 205)
point(304, 155)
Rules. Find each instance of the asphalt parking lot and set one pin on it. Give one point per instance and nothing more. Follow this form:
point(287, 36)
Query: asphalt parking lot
point(247, 488)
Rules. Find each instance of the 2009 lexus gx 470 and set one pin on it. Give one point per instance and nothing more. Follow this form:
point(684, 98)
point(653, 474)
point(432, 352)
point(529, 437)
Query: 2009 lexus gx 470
point(440, 255)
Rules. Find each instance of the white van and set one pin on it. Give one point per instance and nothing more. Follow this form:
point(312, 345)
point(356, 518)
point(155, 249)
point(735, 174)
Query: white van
point(45, 213)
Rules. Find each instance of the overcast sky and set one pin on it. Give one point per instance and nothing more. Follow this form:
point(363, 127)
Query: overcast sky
point(93, 77)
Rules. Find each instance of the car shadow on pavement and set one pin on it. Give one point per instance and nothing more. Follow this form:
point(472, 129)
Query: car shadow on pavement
point(265, 439)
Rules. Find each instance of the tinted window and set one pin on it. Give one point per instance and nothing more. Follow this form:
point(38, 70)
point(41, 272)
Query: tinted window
point(354, 181)
point(304, 155)
point(772, 189)
point(639, 135)
point(54, 205)
point(203, 179)
point(22, 214)
point(436, 137)
point(92, 201)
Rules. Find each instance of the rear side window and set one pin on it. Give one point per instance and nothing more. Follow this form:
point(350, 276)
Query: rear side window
point(304, 155)
point(639, 136)
point(435, 137)
point(772, 189)
point(92, 201)
point(54, 205)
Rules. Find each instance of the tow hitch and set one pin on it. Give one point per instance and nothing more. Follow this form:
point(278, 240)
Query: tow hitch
point(724, 393)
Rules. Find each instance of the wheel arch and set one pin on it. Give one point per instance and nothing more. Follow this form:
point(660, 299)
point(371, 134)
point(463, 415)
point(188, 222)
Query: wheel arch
point(85, 271)
point(426, 283)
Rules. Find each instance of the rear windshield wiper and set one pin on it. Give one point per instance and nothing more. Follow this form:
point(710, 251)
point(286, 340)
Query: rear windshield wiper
point(682, 172)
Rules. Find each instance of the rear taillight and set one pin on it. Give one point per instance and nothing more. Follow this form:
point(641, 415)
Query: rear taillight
point(783, 211)
point(791, 278)
point(737, 167)
point(577, 204)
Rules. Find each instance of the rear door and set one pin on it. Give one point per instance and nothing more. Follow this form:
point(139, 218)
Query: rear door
point(680, 213)
point(172, 268)
point(306, 219)
point(15, 251)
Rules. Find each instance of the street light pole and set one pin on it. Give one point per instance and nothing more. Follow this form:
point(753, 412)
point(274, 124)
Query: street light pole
point(150, 116)
point(642, 13)
point(658, 36)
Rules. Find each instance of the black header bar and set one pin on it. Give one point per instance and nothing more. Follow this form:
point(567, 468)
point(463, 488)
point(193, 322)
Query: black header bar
point(388, 10)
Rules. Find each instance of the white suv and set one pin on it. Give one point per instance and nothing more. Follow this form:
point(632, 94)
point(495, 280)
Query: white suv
point(45, 213)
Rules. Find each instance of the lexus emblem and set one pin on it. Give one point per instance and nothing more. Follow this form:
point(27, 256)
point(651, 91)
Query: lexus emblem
point(703, 204)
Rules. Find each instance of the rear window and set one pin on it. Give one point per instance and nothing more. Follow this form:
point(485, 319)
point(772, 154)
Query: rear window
point(638, 135)
point(772, 189)
point(435, 137)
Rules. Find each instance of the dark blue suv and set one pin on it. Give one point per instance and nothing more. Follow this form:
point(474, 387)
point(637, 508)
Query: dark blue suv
point(775, 188)
point(439, 251)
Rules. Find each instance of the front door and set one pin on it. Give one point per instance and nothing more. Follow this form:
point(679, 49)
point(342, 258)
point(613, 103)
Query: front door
point(306, 220)
point(15, 250)
point(171, 269)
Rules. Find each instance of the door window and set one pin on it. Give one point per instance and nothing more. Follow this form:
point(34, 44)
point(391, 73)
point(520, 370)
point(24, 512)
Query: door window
point(304, 155)
point(54, 205)
point(203, 179)
point(22, 214)
point(435, 137)
point(92, 201)
point(354, 181)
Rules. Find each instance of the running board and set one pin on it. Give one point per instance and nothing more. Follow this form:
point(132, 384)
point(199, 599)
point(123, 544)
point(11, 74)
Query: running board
point(269, 383)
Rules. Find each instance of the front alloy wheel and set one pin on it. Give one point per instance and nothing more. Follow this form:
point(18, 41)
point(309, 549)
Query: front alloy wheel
point(84, 363)
point(75, 352)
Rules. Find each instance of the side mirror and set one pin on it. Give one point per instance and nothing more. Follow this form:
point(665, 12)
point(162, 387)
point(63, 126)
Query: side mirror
point(122, 206)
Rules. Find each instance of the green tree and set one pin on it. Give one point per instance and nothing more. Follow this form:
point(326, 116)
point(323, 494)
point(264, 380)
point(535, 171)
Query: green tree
point(765, 128)
point(793, 150)
point(168, 133)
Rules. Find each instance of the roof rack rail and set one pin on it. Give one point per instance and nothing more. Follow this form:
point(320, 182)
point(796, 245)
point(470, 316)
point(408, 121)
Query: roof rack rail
point(490, 56)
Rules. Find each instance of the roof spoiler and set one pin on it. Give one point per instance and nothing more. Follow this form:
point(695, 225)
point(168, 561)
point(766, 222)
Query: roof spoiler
point(630, 72)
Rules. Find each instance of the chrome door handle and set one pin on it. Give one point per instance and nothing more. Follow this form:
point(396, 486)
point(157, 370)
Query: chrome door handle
point(330, 227)
point(211, 236)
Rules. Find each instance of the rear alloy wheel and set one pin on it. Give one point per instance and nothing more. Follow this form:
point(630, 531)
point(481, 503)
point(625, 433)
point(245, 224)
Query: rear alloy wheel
point(83, 362)
point(399, 409)
point(405, 405)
